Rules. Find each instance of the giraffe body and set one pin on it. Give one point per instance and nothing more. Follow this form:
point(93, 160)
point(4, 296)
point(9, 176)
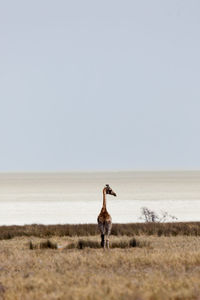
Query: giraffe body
point(104, 219)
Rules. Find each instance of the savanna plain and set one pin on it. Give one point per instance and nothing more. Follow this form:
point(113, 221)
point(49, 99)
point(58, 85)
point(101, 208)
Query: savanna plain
point(145, 261)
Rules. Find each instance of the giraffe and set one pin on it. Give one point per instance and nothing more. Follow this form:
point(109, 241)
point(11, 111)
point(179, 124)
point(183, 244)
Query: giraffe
point(104, 219)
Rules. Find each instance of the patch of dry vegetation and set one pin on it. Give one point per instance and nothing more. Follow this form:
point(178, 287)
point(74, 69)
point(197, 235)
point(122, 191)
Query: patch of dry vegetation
point(168, 269)
point(131, 229)
point(123, 242)
point(43, 245)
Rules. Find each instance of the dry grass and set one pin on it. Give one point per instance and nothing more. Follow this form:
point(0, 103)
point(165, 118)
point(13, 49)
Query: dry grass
point(43, 245)
point(132, 229)
point(122, 242)
point(167, 269)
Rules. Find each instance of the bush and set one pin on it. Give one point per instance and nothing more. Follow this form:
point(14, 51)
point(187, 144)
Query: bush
point(151, 216)
point(120, 243)
point(43, 245)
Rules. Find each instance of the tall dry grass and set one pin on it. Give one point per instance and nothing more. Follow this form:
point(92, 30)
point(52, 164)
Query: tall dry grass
point(168, 269)
point(132, 229)
point(82, 243)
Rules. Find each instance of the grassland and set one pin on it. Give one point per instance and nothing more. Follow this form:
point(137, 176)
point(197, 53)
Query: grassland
point(159, 266)
point(130, 229)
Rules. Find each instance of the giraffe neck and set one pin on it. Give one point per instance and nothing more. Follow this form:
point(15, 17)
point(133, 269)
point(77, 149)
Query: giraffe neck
point(104, 199)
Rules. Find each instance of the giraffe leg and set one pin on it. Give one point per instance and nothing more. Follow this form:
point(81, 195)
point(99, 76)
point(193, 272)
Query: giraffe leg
point(102, 240)
point(108, 231)
point(101, 228)
point(107, 243)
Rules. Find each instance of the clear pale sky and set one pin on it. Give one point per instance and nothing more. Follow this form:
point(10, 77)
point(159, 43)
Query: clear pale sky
point(99, 85)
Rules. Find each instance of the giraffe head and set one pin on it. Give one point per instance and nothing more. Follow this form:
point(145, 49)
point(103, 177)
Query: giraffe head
point(109, 191)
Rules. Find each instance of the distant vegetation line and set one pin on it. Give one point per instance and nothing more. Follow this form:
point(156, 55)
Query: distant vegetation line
point(129, 229)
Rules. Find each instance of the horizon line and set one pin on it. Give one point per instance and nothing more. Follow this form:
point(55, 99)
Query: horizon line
point(100, 171)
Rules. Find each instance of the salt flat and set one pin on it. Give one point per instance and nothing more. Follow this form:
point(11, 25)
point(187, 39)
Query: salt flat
point(76, 197)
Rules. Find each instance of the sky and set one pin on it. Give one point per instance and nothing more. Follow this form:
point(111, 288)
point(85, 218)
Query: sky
point(99, 85)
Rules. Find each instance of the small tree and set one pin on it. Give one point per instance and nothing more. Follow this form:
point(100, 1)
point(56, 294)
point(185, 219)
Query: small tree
point(151, 216)
point(166, 217)
point(148, 215)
